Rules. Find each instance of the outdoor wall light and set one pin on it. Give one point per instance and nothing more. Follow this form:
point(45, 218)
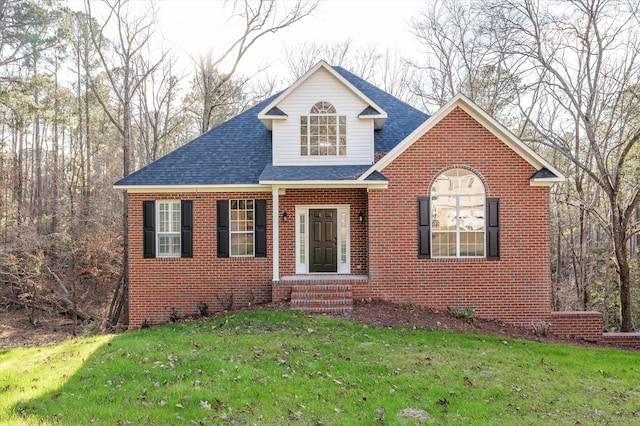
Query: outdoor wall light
point(284, 216)
point(360, 217)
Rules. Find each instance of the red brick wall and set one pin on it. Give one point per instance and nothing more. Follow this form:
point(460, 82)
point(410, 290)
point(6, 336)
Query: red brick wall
point(515, 289)
point(585, 325)
point(356, 198)
point(629, 340)
point(156, 286)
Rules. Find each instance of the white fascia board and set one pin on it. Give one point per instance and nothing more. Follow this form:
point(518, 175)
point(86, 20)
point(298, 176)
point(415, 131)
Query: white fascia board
point(485, 120)
point(329, 68)
point(546, 181)
point(192, 188)
point(319, 184)
point(267, 120)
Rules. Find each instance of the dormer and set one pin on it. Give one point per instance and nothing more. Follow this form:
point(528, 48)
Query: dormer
point(322, 119)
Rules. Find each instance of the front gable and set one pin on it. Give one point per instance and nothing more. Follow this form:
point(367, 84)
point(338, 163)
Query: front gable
point(297, 129)
point(542, 172)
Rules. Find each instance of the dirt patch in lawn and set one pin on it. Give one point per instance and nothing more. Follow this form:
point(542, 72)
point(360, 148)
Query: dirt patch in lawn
point(385, 314)
point(16, 331)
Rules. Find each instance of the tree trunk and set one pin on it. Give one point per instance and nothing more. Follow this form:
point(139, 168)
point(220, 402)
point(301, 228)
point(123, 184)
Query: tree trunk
point(624, 270)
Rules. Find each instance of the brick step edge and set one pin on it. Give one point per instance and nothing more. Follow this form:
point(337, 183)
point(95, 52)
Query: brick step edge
point(316, 295)
point(320, 287)
point(327, 310)
point(334, 302)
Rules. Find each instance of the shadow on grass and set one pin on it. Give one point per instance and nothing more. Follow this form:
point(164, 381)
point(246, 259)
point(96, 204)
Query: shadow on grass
point(283, 367)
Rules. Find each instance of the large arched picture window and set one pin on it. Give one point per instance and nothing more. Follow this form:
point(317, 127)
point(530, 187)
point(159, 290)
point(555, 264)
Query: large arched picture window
point(323, 131)
point(458, 215)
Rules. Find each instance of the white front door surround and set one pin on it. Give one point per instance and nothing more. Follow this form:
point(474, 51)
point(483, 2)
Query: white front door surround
point(343, 237)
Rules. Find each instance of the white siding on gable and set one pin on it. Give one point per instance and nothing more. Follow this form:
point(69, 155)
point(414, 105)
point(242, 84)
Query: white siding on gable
point(322, 86)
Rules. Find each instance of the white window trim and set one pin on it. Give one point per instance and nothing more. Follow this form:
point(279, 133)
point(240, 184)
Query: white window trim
point(253, 231)
point(303, 210)
point(159, 234)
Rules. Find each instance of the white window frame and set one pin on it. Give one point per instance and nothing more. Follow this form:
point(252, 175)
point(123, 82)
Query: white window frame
point(343, 243)
point(243, 232)
point(341, 130)
point(172, 232)
point(458, 229)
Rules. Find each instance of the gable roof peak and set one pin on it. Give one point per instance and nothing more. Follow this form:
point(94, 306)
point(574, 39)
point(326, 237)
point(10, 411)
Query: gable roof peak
point(266, 116)
point(549, 177)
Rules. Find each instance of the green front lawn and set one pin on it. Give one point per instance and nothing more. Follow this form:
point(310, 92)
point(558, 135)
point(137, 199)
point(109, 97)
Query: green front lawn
point(283, 367)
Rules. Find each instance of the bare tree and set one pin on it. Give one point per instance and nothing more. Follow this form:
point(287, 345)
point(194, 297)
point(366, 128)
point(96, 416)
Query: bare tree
point(584, 104)
point(120, 65)
point(464, 53)
point(386, 69)
point(215, 96)
point(260, 18)
point(159, 116)
point(301, 57)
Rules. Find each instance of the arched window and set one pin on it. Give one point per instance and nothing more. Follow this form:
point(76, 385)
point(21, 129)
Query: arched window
point(458, 215)
point(323, 132)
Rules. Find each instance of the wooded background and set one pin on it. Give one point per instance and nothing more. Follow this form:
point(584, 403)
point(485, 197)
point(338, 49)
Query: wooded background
point(88, 98)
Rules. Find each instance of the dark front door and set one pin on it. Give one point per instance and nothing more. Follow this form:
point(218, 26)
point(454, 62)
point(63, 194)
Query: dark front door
point(324, 240)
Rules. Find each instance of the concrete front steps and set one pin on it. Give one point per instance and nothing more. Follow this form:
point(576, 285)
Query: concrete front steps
point(322, 298)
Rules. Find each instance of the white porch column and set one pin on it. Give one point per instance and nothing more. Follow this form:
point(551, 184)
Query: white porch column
point(276, 233)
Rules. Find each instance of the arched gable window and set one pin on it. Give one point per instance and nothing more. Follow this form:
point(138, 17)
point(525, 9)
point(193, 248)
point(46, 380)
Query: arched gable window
point(458, 215)
point(323, 131)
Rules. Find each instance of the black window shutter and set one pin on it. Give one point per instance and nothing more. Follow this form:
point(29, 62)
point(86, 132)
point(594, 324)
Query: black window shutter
point(260, 228)
point(149, 229)
point(424, 229)
point(493, 228)
point(186, 230)
point(223, 228)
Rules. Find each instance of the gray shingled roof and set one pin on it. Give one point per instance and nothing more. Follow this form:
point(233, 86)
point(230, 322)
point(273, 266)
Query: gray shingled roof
point(298, 173)
point(402, 118)
point(239, 150)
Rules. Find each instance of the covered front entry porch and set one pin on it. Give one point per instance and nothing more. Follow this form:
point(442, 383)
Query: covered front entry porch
point(322, 246)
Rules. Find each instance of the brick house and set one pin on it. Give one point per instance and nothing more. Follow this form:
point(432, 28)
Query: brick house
point(334, 190)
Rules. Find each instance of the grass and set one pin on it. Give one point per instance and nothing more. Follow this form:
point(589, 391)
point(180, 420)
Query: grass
point(282, 367)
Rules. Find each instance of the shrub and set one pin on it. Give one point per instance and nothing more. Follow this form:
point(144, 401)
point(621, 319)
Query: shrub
point(203, 308)
point(226, 300)
point(542, 330)
point(173, 316)
point(467, 314)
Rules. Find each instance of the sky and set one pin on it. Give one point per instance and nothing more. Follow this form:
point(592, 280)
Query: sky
point(191, 27)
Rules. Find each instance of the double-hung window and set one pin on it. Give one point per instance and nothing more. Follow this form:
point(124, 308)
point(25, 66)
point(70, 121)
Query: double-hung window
point(168, 228)
point(242, 227)
point(323, 131)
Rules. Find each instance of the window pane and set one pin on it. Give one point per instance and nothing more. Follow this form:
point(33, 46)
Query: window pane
point(163, 217)
point(302, 238)
point(343, 237)
point(175, 219)
point(443, 213)
point(169, 245)
point(471, 243)
point(443, 244)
